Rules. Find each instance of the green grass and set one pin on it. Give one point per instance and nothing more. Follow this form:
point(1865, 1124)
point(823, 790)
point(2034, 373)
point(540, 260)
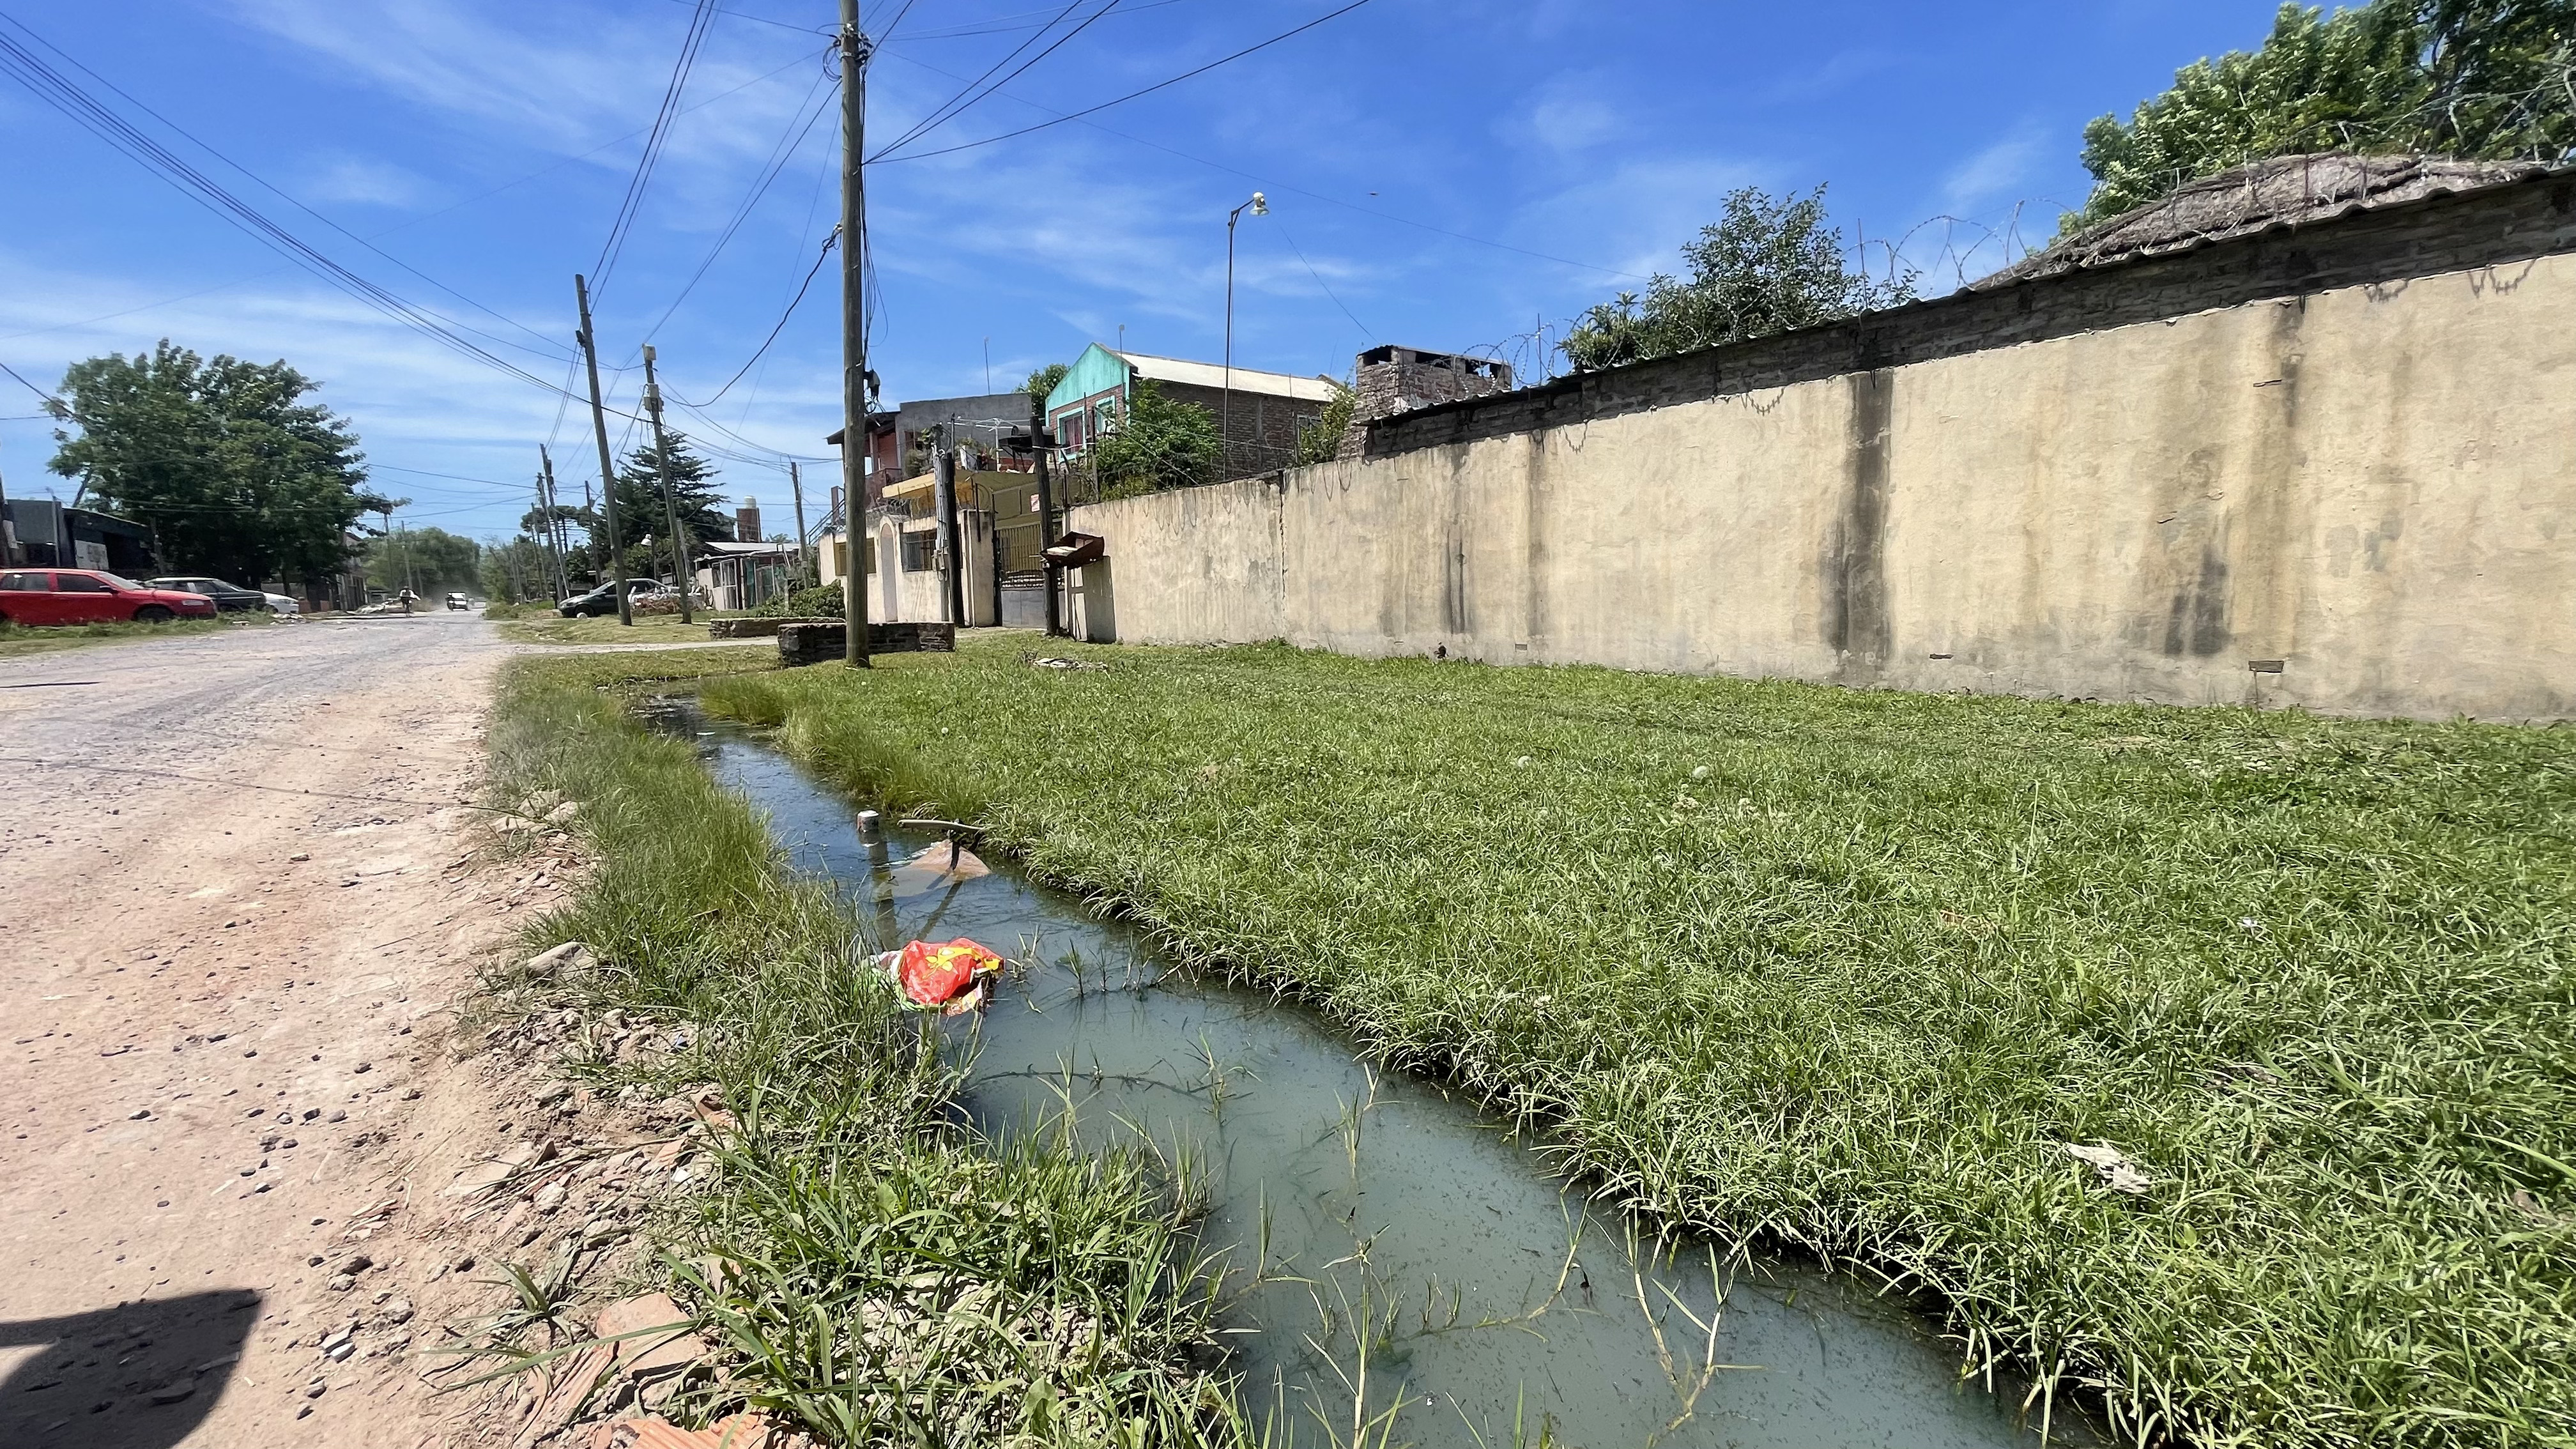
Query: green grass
point(877, 1274)
point(15, 641)
point(1846, 971)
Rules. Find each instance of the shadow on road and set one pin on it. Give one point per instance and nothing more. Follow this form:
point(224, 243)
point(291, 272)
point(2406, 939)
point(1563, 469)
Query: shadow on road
point(136, 1376)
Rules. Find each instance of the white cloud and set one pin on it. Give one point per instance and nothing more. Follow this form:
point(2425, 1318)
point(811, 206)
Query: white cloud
point(1570, 113)
point(1994, 171)
point(1633, 216)
point(361, 181)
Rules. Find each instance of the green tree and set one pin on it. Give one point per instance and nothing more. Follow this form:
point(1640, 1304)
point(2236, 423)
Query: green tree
point(430, 561)
point(1043, 381)
point(234, 474)
point(639, 505)
point(517, 571)
point(1321, 440)
point(1159, 444)
point(1765, 266)
point(2476, 79)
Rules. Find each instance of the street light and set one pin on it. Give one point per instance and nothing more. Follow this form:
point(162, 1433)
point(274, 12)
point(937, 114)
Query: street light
point(1259, 205)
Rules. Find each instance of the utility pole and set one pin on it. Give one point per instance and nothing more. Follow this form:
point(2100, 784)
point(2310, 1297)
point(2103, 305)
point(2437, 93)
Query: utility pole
point(555, 537)
point(8, 533)
point(670, 501)
point(854, 332)
point(950, 558)
point(543, 535)
point(607, 466)
point(796, 482)
point(1046, 513)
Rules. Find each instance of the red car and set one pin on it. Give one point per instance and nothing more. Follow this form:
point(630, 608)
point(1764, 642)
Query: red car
point(33, 598)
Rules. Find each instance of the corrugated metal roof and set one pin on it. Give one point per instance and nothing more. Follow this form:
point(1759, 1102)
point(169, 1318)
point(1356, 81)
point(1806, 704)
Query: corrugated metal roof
point(1210, 374)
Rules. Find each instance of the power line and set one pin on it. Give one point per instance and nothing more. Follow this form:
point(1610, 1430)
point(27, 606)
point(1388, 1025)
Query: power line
point(1132, 95)
point(85, 110)
point(773, 332)
point(550, 351)
point(1291, 189)
point(700, 22)
point(546, 170)
point(788, 145)
point(958, 104)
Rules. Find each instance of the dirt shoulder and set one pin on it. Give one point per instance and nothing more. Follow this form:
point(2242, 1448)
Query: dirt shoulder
point(240, 903)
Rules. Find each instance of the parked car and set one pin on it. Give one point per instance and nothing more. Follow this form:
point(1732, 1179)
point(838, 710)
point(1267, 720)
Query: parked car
point(231, 598)
point(603, 600)
point(458, 601)
point(36, 598)
point(282, 606)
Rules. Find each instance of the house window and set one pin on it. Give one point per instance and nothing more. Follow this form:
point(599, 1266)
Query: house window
point(921, 551)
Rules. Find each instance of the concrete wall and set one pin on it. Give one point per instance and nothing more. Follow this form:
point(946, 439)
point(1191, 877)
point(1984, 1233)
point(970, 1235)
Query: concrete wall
point(2373, 485)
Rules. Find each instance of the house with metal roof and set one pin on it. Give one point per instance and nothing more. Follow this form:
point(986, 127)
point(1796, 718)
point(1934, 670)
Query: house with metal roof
point(1260, 412)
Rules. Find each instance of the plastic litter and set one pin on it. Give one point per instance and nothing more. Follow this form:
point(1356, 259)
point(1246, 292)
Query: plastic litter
point(949, 977)
point(939, 866)
point(2119, 1172)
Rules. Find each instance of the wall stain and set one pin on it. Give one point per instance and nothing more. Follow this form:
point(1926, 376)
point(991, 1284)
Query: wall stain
point(2199, 620)
point(1855, 567)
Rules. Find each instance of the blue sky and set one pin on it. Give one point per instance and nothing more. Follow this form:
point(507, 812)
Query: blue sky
point(1444, 175)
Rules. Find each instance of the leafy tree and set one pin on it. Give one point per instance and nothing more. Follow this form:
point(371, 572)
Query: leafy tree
point(1765, 266)
point(1159, 444)
point(1320, 440)
point(517, 571)
point(234, 475)
point(2477, 79)
point(430, 561)
point(1043, 381)
point(639, 505)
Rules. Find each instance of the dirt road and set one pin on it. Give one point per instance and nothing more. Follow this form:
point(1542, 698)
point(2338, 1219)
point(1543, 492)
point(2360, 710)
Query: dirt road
point(233, 895)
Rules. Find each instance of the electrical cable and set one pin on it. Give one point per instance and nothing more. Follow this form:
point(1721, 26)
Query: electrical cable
point(773, 332)
point(1291, 189)
point(1131, 95)
point(788, 145)
point(550, 350)
point(700, 22)
point(1282, 229)
point(409, 221)
point(85, 110)
point(965, 100)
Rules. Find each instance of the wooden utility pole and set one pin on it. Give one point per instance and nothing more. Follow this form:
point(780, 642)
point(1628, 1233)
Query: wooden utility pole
point(796, 482)
point(670, 501)
point(854, 334)
point(1046, 513)
point(607, 466)
point(951, 557)
point(8, 533)
point(555, 537)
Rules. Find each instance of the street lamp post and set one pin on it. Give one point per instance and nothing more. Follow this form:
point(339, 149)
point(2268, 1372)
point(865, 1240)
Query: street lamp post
point(1259, 205)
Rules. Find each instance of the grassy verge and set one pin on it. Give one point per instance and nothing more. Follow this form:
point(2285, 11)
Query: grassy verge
point(553, 628)
point(1851, 971)
point(877, 1274)
point(15, 641)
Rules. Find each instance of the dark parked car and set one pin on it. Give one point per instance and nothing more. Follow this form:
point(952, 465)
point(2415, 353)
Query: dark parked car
point(603, 600)
point(34, 598)
point(231, 598)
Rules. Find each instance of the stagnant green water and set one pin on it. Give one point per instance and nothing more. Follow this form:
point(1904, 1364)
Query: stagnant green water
point(1351, 1204)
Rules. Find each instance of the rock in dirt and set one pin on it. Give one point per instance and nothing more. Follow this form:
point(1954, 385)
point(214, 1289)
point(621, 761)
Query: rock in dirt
point(569, 959)
point(742, 1431)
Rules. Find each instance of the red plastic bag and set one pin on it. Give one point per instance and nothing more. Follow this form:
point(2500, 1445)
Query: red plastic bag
point(947, 976)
